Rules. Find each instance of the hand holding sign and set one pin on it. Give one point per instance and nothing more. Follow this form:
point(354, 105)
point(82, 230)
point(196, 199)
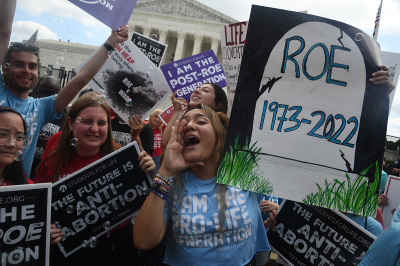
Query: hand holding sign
point(118, 36)
point(382, 78)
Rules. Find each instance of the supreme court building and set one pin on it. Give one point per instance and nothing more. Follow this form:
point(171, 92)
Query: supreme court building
point(186, 26)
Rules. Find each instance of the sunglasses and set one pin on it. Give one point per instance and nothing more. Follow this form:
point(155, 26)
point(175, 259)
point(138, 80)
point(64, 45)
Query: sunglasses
point(25, 48)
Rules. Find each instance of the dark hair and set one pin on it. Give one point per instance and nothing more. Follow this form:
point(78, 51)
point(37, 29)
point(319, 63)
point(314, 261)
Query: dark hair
point(14, 172)
point(220, 97)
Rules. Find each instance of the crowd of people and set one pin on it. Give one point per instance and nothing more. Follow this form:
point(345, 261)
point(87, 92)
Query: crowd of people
point(187, 218)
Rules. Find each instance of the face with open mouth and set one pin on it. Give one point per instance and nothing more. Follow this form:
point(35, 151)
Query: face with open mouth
point(90, 128)
point(199, 137)
point(203, 95)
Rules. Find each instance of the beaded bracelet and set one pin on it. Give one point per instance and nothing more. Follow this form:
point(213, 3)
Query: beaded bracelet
point(168, 180)
point(161, 182)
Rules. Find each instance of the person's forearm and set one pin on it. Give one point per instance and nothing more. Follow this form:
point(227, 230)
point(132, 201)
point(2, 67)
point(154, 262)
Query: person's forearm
point(7, 11)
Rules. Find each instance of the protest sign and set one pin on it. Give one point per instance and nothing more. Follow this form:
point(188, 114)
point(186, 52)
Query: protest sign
point(97, 198)
point(25, 224)
point(310, 235)
point(129, 82)
point(392, 192)
point(306, 121)
point(185, 75)
point(114, 14)
point(153, 49)
point(391, 61)
point(233, 38)
point(167, 114)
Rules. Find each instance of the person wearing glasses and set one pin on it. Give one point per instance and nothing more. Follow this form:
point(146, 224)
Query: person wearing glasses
point(12, 139)
point(20, 64)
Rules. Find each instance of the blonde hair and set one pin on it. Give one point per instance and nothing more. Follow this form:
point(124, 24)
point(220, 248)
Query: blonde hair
point(151, 117)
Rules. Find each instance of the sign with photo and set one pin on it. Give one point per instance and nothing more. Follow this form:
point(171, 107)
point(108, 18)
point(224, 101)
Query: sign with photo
point(114, 14)
point(392, 191)
point(25, 224)
point(187, 74)
point(306, 121)
point(129, 82)
point(311, 235)
point(98, 197)
point(153, 49)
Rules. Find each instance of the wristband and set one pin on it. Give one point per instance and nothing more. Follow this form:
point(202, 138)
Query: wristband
point(108, 47)
point(168, 180)
point(159, 194)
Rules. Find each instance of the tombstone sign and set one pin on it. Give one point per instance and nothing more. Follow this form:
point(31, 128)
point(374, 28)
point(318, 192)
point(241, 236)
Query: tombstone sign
point(25, 224)
point(311, 235)
point(306, 121)
point(114, 14)
point(129, 82)
point(185, 75)
point(153, 49)
point(97, 198)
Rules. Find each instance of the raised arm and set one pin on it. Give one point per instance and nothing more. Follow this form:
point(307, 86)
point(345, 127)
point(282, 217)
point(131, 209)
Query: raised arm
point(382, 77)
point(7, 10)
point(89, 69)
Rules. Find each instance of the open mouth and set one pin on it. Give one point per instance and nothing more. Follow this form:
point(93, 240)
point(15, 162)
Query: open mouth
point(191, 141)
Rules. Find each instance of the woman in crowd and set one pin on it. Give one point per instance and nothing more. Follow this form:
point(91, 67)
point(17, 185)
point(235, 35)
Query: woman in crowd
point(158, 126)
point(209, 94)
point(85, 138)
point(211, 224)
point(12, 139)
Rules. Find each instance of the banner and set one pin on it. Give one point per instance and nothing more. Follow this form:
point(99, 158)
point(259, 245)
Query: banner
point(114, 14)
point(129, 82)
point(392, 191)
point(25, 224)
point(167, 114)
point(97, 198)
point(306, 121)
point(153, 49)
point(187, 74)
point(233, 38)
point(310, 235)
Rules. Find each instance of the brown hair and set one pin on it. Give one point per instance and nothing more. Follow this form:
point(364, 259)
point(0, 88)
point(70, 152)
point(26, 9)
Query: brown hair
point(64, 150)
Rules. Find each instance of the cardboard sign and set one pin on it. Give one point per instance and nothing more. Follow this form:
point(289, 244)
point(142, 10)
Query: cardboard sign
point(97, 198)
point(167, 114)
point(129, 82)
point(153, 49)
point(306, 121)
point(25, 224)
point(310, 235)
point(114, 14)
point(392, 62)
point(233, 38)
point(392, 191)
point(185, 75)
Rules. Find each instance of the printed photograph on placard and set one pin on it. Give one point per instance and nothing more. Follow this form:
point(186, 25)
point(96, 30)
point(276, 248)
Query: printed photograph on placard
point(306, 123)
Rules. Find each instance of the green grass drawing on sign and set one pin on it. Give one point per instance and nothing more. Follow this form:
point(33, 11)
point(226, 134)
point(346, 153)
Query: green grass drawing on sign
point(348, 196)
point(239, 168)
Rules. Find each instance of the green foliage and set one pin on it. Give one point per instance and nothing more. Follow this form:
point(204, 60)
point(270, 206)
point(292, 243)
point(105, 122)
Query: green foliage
point(348, 196)
point(239, 168)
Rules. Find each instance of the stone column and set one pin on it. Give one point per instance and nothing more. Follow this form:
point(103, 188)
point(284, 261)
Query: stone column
point(146, 31)
point(198, 39)
point(180, 46)
point(215, 45)
point(163, 36)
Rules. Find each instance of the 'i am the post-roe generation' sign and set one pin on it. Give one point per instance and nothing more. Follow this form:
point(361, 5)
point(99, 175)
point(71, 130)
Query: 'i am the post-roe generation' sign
point(185, 75)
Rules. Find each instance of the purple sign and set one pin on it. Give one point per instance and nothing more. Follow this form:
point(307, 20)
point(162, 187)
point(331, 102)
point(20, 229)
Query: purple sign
point(113, 13)
point(185, 75)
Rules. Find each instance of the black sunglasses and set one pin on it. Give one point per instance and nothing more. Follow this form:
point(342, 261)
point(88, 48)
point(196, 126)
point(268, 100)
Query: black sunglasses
point(18, 46)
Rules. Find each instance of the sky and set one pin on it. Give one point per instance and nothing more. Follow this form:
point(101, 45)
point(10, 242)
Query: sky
point(61, 20)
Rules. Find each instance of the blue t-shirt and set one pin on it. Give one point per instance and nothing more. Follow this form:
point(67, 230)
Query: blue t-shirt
point(373, 226)
point(195, 226)
point(36, 112)
point(386, 248)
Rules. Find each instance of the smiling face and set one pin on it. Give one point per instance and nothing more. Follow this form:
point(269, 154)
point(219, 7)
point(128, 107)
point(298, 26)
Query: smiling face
point(156, 120)
point(90, 128)
point(10, 125)
point(199, 139)
point(204, 94)
point(22, 72)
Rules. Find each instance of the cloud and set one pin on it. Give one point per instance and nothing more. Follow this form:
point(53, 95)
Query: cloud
point(23, 30)
point(89, 33)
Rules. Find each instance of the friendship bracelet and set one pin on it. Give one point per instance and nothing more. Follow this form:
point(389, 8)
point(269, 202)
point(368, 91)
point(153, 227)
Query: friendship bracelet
point(161, 182)
point(156, 186)
point(168, 180)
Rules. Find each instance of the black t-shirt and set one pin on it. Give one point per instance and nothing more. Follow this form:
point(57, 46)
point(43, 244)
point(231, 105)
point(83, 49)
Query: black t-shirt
point(122, 136)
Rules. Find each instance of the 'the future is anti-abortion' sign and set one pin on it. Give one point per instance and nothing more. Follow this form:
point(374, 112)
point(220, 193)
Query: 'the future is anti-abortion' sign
point(25, 224)
point(185, 75)
point(97, 198)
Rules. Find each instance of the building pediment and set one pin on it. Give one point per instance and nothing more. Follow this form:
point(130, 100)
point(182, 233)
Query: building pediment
point(183, 8)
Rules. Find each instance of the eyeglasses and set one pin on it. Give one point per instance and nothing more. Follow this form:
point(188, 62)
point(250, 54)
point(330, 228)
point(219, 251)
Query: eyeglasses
point(4, 134)
point(18, 46)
